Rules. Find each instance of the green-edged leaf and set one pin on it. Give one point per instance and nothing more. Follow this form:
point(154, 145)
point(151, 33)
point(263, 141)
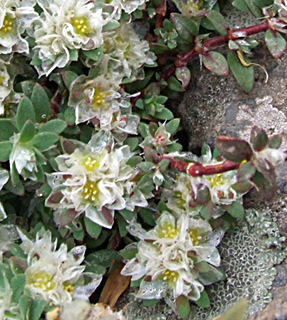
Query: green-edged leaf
point(7, 129)
point(92, 228)
point(69, 77)
point(174, 84)
point(17, 285)
point(215, 62)
point(25, 112)
point(44, 140)
point(41, 103)
point(258, 138)
point(36, 309)
point(253, 8)
point(56, 126)
point(185, 27)
point(203, 301)
point(5, 150)
point(236, 210)
point(28, 131)
point(218, 21)
point(276, 44)
point(243, 75)
point(234, 149)
point(182, 306)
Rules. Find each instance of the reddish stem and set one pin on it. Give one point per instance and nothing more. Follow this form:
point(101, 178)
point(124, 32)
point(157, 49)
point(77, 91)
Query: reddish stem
point(198, 169)
point(210, 44)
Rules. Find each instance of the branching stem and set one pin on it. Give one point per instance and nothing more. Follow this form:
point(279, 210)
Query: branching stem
point(213, 43)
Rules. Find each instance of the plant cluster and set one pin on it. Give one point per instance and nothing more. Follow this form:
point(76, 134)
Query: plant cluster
point(94, 181)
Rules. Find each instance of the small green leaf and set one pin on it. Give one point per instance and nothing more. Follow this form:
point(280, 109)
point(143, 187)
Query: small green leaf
point(69, 77)
point(133, 161)
point(218, 21)
point(95, 55)
point(5, 150)
point(172, 126)
point(253, 8)
point(24, 304)
point(185, 27)
point(27, 87)
point(7, 129)
point(128, 253)
point(28, 132)
point(36, 309)
point(103, 257)
point(182, 306)
point(274, 142)
point(132, 142)
point(41, 103)
point(164, 165)
point(17, 285)
point(164, 114)
point(240, 5)
point(236, 210)
point(207, 211)
point(128, 215)
point(93, 229)
point(146, 166)
point(174, 84)
point(44, 140)
point(243, 75)
point(74, 54)
point(122, 224)
point(25, 112)
point(110, 26)
point(148, 216)
point(246, 171)
point(258, 138)
point(276, 44)
point(215, 62)
point(203, 301)
point(146, 184)
point(55, 126)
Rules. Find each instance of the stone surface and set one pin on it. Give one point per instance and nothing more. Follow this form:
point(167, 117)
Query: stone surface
point(214, 106)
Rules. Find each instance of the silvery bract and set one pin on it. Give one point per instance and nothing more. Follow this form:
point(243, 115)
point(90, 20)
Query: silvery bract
point(56, 275)
point(95, 181)
point(167, 255)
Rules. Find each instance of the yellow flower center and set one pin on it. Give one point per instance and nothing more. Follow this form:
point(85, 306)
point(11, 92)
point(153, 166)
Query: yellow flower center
point(8, 25)
point(195, 236)
point(170, 276)
point(216, 180)
point(99, 98)
point(69, 288)
point(41, 280)
point(91, 163)
point(90, 192)
point(81, 25)
point(168, 231)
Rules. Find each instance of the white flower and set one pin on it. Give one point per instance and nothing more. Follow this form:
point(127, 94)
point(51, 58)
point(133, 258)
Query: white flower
point(56, 275)
point(167, 255)
point(83, 310)
point(95, 181)
point(65, 26)
point(23, 158)
point(159, 140)
point(5, 85)
point(104, 103)
point(189, 7)
point(125, 54)
point(15, 17)
point(4, 177)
